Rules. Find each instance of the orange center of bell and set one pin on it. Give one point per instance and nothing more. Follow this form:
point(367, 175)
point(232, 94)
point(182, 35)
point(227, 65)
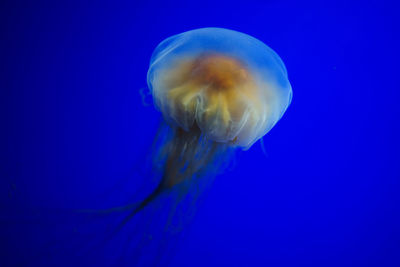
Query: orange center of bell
point(218, 72)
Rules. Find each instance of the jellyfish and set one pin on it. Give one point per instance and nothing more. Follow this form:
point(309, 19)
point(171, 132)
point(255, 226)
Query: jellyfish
point(217, 90)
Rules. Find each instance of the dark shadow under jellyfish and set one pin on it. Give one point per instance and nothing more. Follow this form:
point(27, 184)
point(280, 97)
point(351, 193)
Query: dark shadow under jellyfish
point(217, 90)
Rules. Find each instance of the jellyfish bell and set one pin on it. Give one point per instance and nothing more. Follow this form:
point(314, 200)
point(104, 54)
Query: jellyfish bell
point(230, 85)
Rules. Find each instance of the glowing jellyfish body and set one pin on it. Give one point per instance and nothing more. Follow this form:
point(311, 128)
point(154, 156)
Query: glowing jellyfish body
point(233, 86)
point(217, 89)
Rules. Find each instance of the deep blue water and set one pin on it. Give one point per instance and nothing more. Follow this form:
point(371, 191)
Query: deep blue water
point(75, 134)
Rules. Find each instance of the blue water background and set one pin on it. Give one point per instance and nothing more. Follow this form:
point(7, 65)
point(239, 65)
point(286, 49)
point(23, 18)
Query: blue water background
point(75, 132)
